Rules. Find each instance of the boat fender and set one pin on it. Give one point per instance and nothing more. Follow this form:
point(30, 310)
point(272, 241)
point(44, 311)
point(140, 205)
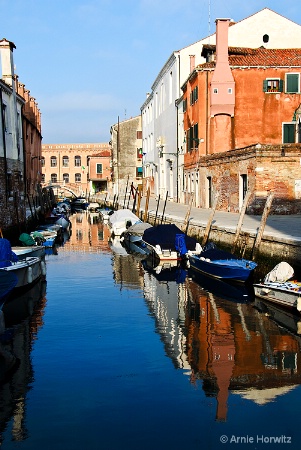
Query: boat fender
point(43, 268)
point(29, 275)
point(299, 328)
point(202, 258)
point(299, 304)
point(208, 259)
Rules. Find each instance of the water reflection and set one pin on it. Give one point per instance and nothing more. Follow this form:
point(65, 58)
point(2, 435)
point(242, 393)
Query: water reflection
point(225, 343)
point(225, 339)
point(23, 317)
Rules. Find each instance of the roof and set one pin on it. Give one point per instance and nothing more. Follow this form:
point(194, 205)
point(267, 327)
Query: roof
point(263, 57)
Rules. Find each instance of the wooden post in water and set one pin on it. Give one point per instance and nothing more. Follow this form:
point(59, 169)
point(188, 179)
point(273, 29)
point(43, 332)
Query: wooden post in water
point(139, 203)
point(157, 210)
point(240, 221)
point(207, 231)
point(163, 212)
point(265, 214)
point(186, 220)
point(146, 205)
point(126, 190)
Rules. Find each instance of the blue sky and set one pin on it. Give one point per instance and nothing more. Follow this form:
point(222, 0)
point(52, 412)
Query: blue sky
point(89, 62)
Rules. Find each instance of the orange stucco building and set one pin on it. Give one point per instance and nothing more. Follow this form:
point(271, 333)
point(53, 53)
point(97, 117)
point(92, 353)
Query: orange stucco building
point(85, 169)
point(242, 121)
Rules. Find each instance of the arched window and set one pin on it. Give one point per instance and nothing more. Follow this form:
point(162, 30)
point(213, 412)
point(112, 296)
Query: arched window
point(42, 161)
point(77, 161)
point(66, 177)
point(78, 178)
point(65, 161)
point(53, 161)
point(53, 178)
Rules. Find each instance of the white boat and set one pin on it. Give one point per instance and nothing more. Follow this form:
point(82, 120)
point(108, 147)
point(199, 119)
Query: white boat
point(31, 250)
point(121, 220)
point(135, 232)
point(277, 288)
point(28, 270)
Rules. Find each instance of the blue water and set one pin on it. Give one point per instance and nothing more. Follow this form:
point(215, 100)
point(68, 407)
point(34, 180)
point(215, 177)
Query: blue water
point(113, 356)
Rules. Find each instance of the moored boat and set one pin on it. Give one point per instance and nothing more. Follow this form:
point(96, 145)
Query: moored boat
point(221, 264)
point(27, 270)
point(168, 242)
point(277, 287)
point(32, 250)
point(121, 220)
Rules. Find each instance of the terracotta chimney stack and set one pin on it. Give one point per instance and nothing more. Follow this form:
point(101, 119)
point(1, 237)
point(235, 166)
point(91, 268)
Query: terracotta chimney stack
point(192, 62)
point(222, 83)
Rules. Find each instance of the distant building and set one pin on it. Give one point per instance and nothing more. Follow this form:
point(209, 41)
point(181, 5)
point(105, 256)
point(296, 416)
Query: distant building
point(126, 144)
point(80, 169)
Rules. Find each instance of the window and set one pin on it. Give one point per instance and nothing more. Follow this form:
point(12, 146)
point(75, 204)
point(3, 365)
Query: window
point(139, 153)
point(53, 161)
point(273, 85)
point(139, 172)
point(77, 161)
point(292, 83)
point(42, 161)
point(139, 134)
point(229, 90)
point(193, 137)
point(66, 177)
point(42, 178)
point(4, 115)
point(65, 161)
point(288, 133)
point(215, 91)
point(99, 168)
point(53, 178)
point(184, 105)
point(194, 95)
point(78, 178)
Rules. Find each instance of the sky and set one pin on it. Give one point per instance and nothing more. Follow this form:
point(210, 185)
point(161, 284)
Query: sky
point(88, 63)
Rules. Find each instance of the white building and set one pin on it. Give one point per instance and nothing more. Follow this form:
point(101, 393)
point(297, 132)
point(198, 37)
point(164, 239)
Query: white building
point(12, 186)
point(162, 122)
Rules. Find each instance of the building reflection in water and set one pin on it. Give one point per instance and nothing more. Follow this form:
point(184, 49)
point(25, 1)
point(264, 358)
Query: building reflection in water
point(230, 343)
point(88, 233)
point(23, 317)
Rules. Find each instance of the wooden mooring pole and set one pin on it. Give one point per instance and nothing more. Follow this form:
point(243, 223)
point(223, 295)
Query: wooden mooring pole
point(187, 216)
point(157, 210)
point(164, 207)
point(240, 221)
point(265, 214)
point(146, 205)
point(207, 231)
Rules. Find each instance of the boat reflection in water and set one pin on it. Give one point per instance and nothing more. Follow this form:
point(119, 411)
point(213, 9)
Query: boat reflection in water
point(23, 317)
point(216, 334)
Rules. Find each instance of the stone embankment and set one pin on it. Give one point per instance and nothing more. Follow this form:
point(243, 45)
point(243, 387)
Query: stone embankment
point(281, 239)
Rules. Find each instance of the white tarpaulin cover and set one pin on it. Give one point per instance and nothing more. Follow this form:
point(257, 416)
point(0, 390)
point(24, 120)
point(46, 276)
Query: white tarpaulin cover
point(281, 273)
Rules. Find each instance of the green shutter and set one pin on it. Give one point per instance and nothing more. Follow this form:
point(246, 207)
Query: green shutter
point(280, 85)
point(265, 85)
point(289, 133)
point(292, 82)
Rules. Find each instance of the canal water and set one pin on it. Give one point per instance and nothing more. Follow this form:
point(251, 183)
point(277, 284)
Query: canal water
point(114, 354)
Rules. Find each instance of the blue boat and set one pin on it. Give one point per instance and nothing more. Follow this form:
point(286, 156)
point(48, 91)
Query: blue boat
point(221, 264)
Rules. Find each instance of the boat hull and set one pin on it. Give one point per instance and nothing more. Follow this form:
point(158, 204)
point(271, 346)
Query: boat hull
point(273, 292)
point(27, 271)
point(235, 270)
